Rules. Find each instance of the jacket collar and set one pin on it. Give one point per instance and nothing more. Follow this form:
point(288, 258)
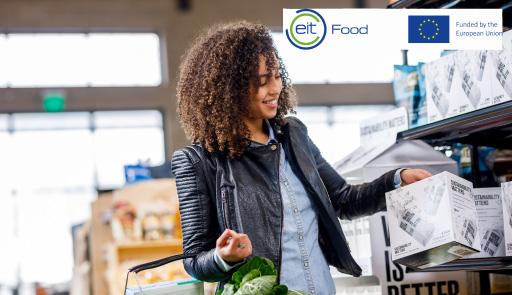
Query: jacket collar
point(279, 130)
point(275, 133)
point(271, 133)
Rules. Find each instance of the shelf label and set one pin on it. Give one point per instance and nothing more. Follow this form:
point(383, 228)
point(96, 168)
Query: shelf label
point(383, 128)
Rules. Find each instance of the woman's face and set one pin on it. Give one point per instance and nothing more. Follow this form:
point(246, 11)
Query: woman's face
point(264, 97)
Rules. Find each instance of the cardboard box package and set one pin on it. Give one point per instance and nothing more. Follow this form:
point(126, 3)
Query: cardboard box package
point(470, 65)
point(490, 222)
point(468, 80)
point(443, 101)
point(506, 193)
point(432, 221)
point(501, 63)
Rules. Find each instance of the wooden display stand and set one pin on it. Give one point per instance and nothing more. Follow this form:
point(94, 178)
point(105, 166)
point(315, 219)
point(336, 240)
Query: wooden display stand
point(107, 255)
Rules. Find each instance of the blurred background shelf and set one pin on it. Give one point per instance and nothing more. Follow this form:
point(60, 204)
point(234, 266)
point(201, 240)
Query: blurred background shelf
point(491, 126)
point(157, 249)
point(493, 264)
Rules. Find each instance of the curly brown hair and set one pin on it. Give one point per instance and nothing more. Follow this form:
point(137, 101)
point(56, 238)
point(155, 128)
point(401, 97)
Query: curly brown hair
point(215, 78)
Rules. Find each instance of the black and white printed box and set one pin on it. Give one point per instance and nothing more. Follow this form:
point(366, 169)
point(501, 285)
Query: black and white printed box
point(467, 80)
point(443, 101)
point(432, 221)
point(490, 222)
point(501, 64)
point(506, 193)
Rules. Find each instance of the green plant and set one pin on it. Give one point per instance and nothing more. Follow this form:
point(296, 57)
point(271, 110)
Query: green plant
point(256, 276)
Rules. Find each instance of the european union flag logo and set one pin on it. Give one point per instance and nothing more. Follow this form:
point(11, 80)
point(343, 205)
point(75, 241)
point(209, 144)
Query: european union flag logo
point(429, 29)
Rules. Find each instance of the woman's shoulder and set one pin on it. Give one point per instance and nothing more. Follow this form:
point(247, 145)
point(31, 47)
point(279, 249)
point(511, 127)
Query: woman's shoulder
point(294, 121)
point(194, 152)
point(184, 160)
point(295, 124)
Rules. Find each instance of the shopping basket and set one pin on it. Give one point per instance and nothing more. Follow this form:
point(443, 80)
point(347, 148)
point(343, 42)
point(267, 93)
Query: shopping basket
point(183, 287)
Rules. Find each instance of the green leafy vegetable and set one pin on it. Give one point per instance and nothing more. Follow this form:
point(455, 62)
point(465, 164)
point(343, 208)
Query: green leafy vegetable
point(262, 286)
point(251, 275)
point(257, 276)
point(279, 290)
point(263, 265)
point(228, 289)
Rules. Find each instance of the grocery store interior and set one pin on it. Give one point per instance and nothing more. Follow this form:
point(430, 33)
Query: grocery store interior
point(88, 126)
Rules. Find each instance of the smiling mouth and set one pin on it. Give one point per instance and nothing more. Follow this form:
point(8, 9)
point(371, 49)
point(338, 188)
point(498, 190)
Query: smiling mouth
point(271, 101)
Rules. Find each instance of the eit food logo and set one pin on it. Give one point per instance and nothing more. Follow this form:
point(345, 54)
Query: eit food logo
point(307, 29)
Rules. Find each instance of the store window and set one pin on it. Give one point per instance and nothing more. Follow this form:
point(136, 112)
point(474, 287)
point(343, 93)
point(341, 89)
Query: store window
point(80, 60)
point(49, 182)
point(121, 136)
point(4, 122)
point(8, 246)
point(338, 65)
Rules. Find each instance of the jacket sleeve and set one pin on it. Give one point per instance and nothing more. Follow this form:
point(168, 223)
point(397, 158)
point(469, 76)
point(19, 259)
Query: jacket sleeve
point(198, 218)
point(352, 201)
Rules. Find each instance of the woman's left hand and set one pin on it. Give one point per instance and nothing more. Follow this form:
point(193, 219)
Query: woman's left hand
point(412, 175)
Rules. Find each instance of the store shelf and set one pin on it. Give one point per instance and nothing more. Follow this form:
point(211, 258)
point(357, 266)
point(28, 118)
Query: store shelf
point(157, 249)
point(363, 281)
point(491, 126)
point(148, 244)
point(498, 264)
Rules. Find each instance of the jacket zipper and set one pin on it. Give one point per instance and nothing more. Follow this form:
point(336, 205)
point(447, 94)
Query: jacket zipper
point(225, 207)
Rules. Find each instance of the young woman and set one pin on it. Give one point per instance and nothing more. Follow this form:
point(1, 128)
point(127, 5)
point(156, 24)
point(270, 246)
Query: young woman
point(253, 182)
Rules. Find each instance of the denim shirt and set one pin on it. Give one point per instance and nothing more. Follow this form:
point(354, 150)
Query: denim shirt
point(304, 266)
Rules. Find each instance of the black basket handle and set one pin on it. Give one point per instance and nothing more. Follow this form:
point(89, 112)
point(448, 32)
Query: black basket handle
point(153, 264)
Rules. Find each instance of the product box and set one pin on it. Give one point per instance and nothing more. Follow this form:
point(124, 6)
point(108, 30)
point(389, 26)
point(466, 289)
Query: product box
point(476, 77)
point(501, 69)
point(443, 100)
point(490, 222)
point(506, 193)
point(467, 80)
point(432, 221)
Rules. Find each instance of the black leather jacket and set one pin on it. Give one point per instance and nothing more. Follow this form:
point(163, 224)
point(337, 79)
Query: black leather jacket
point(216, 193)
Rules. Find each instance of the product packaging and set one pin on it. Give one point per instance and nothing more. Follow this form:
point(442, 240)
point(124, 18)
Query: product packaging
point(490, 222)
point(506, 193)
point(443, 100)
point(432, 221)
point(407, 91)
point(468, 80)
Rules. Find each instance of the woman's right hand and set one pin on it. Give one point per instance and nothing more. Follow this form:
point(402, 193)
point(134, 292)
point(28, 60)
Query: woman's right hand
point(233, 247)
